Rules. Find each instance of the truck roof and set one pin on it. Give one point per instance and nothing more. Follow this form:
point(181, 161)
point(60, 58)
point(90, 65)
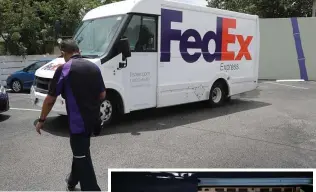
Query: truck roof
point(154, 7)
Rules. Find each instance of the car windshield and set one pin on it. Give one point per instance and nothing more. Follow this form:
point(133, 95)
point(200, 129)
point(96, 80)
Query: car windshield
point(94, 36)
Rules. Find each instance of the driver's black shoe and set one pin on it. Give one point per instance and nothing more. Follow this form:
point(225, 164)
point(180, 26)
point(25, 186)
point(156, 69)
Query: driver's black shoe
point(69, 187)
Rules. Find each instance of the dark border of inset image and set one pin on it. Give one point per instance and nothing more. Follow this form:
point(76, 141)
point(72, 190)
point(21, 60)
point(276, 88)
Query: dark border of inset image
point(240, 181)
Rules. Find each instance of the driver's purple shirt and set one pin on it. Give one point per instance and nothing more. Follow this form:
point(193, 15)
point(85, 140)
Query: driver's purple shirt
point(80, 83)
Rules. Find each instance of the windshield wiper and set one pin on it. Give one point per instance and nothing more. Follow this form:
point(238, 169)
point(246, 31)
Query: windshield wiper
point(79, 40)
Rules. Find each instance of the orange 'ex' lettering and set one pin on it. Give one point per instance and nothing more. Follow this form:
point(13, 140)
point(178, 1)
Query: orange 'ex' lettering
point(231, 38)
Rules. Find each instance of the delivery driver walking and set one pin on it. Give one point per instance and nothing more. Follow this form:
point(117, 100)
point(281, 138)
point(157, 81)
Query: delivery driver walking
point(81, 85)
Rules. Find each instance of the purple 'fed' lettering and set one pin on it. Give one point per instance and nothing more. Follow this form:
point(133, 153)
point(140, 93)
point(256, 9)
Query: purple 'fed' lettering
point(167, 17)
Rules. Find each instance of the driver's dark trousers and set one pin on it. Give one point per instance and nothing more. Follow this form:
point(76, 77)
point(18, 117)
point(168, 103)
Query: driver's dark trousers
point(82, 168)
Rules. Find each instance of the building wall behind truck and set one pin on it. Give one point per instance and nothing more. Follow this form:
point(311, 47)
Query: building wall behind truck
point(277, 51)
point(308, 36)
point(284, 52)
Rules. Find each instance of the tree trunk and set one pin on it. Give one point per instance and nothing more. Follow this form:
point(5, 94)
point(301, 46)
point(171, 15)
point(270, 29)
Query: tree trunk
point(314, 9)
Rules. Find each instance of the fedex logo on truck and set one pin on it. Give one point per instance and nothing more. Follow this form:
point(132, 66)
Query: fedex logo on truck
point(221, 37)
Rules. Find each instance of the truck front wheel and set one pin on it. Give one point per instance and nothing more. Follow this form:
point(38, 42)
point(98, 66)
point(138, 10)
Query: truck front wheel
point(106, 112)
point(109, 110)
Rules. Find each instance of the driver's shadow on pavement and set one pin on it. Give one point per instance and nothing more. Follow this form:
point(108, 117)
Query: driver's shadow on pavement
point(4, 117)
point(56, 125)
point(158, 119)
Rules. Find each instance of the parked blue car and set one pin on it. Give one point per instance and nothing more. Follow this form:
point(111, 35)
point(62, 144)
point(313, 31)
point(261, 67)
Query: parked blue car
point(23, 79)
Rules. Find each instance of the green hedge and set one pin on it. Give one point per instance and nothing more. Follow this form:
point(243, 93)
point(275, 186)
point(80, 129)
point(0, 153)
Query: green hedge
point(2, 48)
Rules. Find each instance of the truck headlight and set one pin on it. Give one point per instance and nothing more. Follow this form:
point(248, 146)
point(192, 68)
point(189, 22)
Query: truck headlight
point(2, 90)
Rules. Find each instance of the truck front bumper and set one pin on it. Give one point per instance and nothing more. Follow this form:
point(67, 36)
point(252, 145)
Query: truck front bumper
point(38, 100)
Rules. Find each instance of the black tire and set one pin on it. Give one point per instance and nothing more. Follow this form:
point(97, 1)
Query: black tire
point(14, 85)
point(228, 99)
point(110, 101)
point(218, 94)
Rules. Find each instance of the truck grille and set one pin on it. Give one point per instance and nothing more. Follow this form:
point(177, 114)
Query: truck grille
point(42, 84)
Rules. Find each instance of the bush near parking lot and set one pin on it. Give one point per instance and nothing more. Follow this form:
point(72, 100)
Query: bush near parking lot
point(267, 8)
point(28, 27)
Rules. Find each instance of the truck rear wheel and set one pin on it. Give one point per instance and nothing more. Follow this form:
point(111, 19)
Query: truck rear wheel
point(218, 94)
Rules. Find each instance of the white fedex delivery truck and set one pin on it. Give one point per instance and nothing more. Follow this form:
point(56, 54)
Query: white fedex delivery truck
point(158, 53)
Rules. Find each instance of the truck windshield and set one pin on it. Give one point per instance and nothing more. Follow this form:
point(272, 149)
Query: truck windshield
point(94, 36)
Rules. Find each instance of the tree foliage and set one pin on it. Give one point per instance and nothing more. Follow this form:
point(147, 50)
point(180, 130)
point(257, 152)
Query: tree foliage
point(267, 8)
point(29, 26)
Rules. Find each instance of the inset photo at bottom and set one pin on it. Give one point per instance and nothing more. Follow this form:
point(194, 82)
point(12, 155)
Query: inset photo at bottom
point(226, 181)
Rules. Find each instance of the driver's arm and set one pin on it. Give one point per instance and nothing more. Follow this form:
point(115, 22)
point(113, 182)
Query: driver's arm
point(54, 91)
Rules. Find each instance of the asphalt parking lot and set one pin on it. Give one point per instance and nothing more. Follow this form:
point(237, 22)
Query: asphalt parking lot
point(272, 127)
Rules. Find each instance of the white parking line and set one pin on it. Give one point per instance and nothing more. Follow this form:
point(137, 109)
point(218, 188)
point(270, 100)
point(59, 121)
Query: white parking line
point(290, 80)
point(297, 87)
point(22, 109)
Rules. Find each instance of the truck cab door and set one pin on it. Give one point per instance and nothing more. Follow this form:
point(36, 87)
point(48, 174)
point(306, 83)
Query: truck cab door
point(140, 73)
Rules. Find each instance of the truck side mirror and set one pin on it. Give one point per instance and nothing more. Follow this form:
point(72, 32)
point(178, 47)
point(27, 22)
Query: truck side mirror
point(124, 48)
